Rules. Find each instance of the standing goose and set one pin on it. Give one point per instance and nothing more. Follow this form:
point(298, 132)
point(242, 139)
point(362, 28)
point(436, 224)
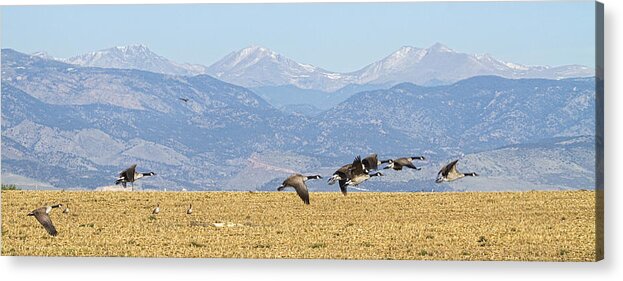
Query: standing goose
point(358, 175)
point(130, 175)
point(42, 215)
point(449, 173)
point(397, 164)
point(190, 209)
point(156, 209)
point(297, 181)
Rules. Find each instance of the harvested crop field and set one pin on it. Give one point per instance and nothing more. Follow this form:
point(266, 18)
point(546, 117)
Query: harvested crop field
point(555, 225)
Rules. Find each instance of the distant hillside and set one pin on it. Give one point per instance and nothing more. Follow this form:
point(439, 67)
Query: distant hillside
point(77, 127)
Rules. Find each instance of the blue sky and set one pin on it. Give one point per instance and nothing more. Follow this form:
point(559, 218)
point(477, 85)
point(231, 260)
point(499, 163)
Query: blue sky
point(334, 36)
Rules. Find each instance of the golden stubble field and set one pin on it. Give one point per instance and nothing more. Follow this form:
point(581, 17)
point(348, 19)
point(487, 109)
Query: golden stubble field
point(535, 226)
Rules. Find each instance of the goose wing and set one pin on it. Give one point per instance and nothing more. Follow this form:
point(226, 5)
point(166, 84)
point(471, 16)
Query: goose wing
point(301, 190)
point(451, 167)
point(453, 170)
point(357, 168)
point(44, 219)
point(344, 172)
point(344, 169)
point(128, 173)
point(343, 186)
point(371, 162)
point(405, 162)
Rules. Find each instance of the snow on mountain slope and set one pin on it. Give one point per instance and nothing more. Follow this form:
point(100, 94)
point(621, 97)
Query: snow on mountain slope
point(134, 57)
point(257, 66)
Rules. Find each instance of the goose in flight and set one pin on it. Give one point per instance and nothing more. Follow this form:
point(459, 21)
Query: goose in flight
point(130, 175)
point(397, 164)
point(297, 181)
point(449, 173)
point(342, 174)
point(358, 174)
point(42, 215)
point(371, 162)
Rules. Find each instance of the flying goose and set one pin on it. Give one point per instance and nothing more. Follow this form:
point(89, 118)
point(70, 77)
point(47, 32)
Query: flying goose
point(156, 209)
point(190, 210)
point(397, 164)
point(358, 174)
point(297, 181)
point(42, 215)
point(130, 175)
point(371, 162)
point(66, 210)
point(449, 173)
point(184, 99)
point(340, 174)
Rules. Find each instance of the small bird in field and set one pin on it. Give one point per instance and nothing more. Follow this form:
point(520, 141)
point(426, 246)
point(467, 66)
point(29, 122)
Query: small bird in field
point(66, 210)
point(190, 209)
point(156, 209)
point(297, 181)
point(42, 215)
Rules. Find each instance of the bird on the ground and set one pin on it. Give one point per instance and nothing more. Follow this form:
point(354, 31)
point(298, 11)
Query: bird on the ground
point(297, 181)
point(130, 175)
point(156, 210)
point(190, 209)
point(66, 210)
point(42, 215)
point(397, 164)
point(449, 173)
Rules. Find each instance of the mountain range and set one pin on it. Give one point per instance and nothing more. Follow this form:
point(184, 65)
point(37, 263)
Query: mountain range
point(72, 126)
point(257, 66)
point(283, 81)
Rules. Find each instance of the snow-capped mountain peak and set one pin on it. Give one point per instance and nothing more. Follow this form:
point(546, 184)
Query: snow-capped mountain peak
point(438, 47)
point(133, 48)
point(403, 54)
point(249, 56)
point(255, 66)
point(118, 55)
point(43, 55)
point(258, 66)
point(136, 56)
